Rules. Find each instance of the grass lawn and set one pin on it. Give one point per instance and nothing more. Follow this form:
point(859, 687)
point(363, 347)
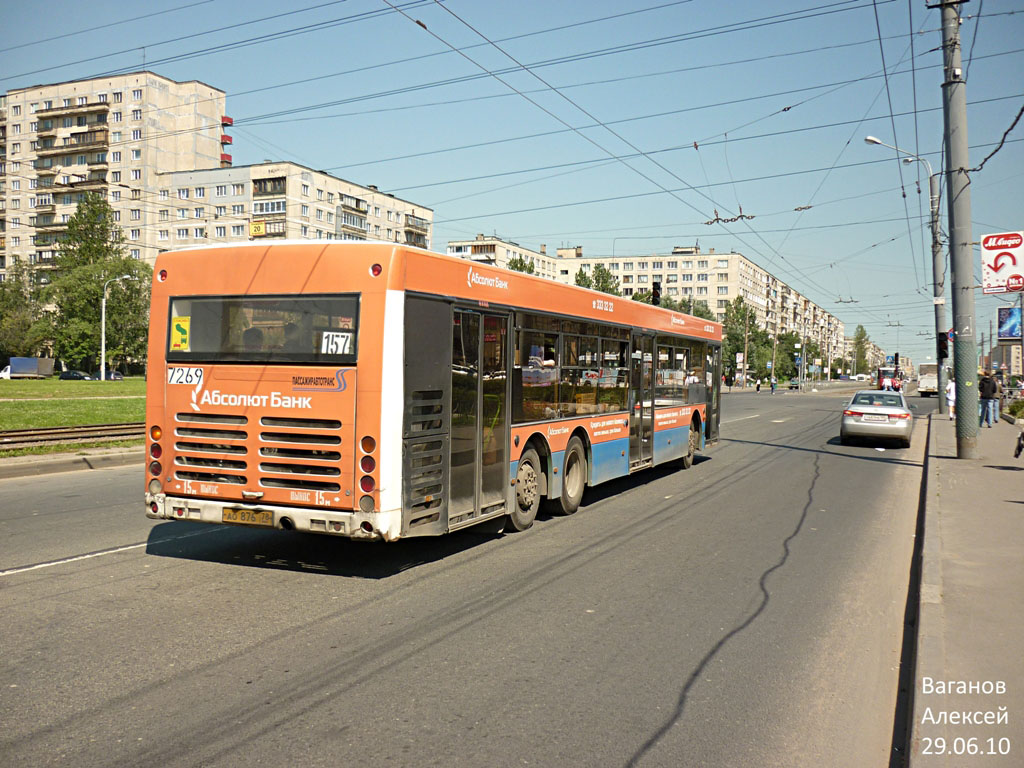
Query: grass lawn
point(52, 403)
point(54, 388)
point(42, 450)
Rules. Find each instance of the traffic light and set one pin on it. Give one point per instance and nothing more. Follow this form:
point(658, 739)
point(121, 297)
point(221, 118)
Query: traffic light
point(943, 347)
point(656, 294)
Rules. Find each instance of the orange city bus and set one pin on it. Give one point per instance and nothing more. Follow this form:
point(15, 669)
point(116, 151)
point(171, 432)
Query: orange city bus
point(381, 391)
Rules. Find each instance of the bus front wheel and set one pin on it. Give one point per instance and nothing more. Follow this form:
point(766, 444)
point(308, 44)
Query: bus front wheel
point(574, 479)
point(527, 500)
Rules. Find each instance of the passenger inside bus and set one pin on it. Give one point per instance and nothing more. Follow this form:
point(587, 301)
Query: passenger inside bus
point(252, 340)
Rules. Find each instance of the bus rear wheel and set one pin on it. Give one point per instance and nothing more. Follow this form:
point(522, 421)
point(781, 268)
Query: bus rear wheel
point(527, 501)
point(693, 445)
point(574, 480)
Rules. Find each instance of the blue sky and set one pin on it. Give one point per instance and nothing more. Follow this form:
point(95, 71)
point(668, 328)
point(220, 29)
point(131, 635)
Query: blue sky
point(621, 127)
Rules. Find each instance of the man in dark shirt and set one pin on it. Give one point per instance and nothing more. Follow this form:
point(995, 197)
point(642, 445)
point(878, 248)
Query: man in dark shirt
point(987, 390)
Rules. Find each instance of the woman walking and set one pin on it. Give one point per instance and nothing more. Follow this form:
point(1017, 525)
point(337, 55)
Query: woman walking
point(951, 398)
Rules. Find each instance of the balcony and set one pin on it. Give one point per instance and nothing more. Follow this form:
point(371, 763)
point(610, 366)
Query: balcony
point(45, 208)
point(53, 227)
point(98, 138)
point(354, 204)
point(88, 185)
point(225, 139)
point(74, 109)
point(415, 225)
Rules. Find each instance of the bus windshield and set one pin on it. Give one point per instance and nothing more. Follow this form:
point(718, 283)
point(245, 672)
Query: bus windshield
point(314, 330)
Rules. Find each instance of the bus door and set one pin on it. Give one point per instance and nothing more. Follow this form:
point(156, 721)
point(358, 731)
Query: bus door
point(714, 393)
point(478, 467)
point(641, 400)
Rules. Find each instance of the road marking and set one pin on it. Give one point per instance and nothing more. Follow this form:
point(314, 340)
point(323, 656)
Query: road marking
point(741, 418)
point(100, 553)
point(779, 421)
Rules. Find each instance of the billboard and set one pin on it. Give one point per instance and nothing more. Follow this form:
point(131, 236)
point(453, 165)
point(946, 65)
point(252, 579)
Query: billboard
point(1002, 262)
point(1009, 323)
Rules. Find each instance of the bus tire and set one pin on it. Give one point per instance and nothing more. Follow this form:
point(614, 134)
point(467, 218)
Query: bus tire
point(692, 444)
point(574, 480)
point(527, 495)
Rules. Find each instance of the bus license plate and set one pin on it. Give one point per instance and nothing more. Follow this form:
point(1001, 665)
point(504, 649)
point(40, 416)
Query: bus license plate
point(262, 517)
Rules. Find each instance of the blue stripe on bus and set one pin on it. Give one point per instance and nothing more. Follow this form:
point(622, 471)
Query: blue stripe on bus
point(555, 480)
point(609, 461)
point(665, 452)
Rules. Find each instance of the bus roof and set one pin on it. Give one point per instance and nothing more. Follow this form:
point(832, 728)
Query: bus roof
point(409, 268)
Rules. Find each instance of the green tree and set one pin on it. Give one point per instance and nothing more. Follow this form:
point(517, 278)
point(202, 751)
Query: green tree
point(519, 264)
point(739, 334)
point(24, 328)
point(91, 253)
point(605, 281)
point(860, 349)
point(697, 308)
point(643, 296)
point(583, 280)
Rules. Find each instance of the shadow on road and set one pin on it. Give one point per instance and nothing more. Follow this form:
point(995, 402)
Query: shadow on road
point(331, 556)
point(832, 441)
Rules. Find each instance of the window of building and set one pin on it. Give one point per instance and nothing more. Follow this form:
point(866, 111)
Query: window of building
point(220, 231)
point(656, 265)
point(115, 157)
point(134, 234)
point(305, 231)
point(376, 211)
point(687, 291)
point(672, 279)
point(183, 213)
point(16, 109)
point(198, 213)
point(137, 94)
point(237, 189)
point(702, 264)
point(183, 194)
point(136, 174)
point(136, 154)
point(137, 134)
point(221, 190)
point(164, 214)
point(182, 233)
point(641, 278)
point(627, 279)
point(723, 277)
point(627, 265)
point(115, 195)
point(702, 277)
point(614, 266)
point(136, 194)
point(687, 278)
point(136, 214)
point(115, 176)
point(305, 190)
point(330, 197)
point(702, 290)
point(319, 214)
point(237, 210)
point(136, 114)
point(200, 232)
point(237, 230)
point(220, 210)
point(723, 264)
point(266, 206)
point(305, 210)
point(82, 101)
point(200, 192)
point(723, 290)
point(117, 97)
point(319, 194)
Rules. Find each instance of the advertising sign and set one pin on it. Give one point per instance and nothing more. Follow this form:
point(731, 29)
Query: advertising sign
point(257, 228)
point(1002, 262)
point(1009, 323)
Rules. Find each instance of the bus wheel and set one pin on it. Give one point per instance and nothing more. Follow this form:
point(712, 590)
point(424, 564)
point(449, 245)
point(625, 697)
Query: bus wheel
point(527, 502)
point(574, 480)
point(694, 444)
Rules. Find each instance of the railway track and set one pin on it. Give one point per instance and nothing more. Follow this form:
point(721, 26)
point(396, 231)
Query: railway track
point(27, 438)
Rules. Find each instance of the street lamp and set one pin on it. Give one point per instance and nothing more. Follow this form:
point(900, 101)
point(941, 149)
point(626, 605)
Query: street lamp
point(103, 325)
point(938, 286)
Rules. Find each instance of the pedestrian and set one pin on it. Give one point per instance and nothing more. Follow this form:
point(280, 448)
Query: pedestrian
point(987, 396)
point(951, 398)
point(775, 383)
point(758, 388)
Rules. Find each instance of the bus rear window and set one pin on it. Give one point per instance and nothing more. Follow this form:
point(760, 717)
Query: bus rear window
point(264, 329)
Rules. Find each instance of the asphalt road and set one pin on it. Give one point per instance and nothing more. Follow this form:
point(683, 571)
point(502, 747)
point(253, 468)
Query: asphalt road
point(745, 612)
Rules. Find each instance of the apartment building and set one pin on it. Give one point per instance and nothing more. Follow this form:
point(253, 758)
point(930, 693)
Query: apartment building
point(111, 135)
point(155, 148)
point(493, 250)
point(278, 200)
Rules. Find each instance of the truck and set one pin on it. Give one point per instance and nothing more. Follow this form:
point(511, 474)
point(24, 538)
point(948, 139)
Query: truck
point(928, 379)
point(28, 368)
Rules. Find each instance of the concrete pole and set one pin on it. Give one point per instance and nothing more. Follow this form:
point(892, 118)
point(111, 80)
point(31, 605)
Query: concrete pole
point(746, 362)
point(938, 287)
point(954, 102)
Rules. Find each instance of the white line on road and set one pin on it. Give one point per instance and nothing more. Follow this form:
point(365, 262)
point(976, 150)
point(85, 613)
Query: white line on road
point(101, 553)
point(741, 418)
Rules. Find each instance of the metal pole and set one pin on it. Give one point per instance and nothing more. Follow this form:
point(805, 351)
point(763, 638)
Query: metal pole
point(938, 287)
point(103, 333)
point(954, 98)
point(746, 364)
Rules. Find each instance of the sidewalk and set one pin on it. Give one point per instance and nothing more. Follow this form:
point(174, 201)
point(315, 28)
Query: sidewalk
point(970, 628)
point(86, 458)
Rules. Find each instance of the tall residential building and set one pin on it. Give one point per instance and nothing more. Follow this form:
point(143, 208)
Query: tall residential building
point(111, 135)
point(277, 200)
point(154, 148)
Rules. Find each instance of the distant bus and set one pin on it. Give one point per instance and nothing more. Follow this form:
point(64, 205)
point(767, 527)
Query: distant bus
point(887, 378)
point(927, 379)
point(378, 391)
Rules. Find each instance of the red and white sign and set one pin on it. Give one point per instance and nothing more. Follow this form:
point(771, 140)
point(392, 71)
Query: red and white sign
point(1002, 262)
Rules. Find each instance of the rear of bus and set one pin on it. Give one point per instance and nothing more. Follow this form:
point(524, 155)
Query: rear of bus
point(265, 380)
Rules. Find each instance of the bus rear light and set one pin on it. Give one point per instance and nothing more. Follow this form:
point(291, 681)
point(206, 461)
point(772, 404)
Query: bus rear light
point(368, 444)
point(154, 508)
point(155, 468)
point(366, 504)
point(155, 450)
point(366, 484)
point(156, 433)
point(367, 464)
point(154, 486)
point(375, 270)
point(162, 275)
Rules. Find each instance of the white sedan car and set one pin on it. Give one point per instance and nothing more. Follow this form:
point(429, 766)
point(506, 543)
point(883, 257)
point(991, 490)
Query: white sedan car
point(873, 413)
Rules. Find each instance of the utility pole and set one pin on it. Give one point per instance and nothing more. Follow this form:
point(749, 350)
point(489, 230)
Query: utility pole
point(746, 363)
point(954, 103)
point(1020, 325)
point(938, 286)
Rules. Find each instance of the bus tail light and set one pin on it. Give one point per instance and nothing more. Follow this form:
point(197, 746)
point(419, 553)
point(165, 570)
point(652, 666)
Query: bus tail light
point(154, 507)
point(365, 483)
point(155, 468)
point(375, 270)
point(366, 504)
point(367, 464)
point(367, 444)
point(155, 450)
point(154, 486)
point(161, 275)
point(156, 433)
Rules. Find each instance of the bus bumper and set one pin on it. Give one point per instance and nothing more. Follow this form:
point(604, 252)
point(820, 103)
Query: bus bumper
point(353, 524)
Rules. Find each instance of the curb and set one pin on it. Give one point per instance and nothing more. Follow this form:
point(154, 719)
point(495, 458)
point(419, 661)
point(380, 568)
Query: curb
point(30, 466)
point(931, 649)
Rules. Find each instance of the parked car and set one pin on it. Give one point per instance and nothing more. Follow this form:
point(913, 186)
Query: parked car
point(75, 376)
point(111, 376)
point(794, 383)
point(873, 413)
